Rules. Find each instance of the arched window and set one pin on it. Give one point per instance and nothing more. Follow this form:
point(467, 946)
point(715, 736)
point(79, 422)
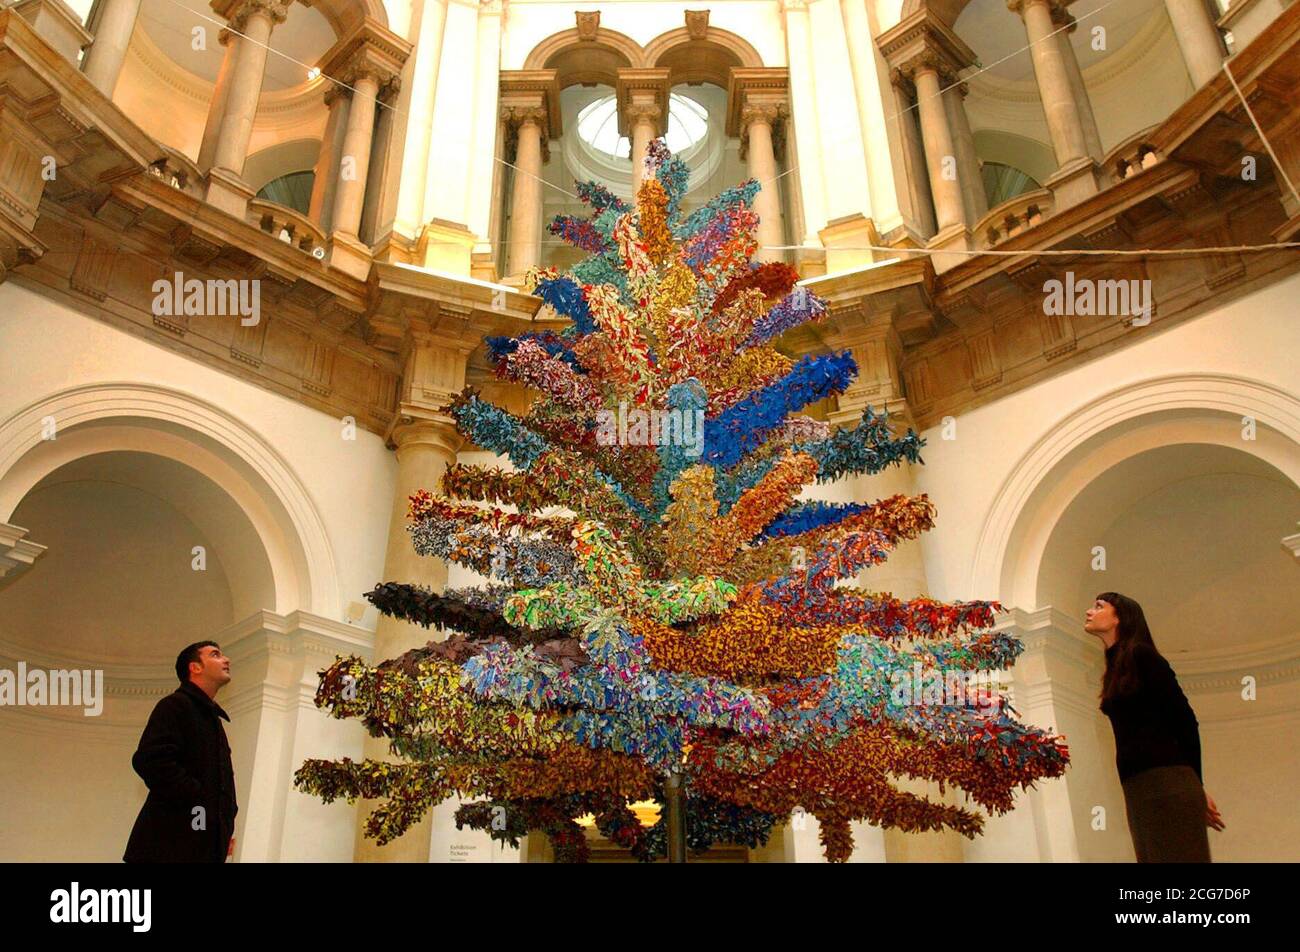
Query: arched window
point(292, 190)
point(1004, 182)
point(688, 122)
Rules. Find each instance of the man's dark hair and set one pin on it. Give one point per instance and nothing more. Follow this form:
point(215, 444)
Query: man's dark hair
point(190, 653)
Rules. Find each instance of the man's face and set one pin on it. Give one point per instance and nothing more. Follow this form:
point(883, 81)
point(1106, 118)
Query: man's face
point(216, 666)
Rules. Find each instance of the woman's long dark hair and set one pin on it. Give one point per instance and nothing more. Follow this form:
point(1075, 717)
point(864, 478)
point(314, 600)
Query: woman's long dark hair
point(1121, 675)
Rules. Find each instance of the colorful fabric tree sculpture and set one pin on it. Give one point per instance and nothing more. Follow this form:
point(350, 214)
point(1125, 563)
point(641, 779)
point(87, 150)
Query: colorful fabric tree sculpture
point(660, 599)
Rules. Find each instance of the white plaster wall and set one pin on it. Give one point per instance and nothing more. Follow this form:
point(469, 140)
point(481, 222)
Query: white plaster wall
point(47, 347)
point(1255, 337)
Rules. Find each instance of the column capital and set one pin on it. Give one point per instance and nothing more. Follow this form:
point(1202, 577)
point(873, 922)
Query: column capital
point(755, 87)
point(769, 113)
point(922, 41)
point(516, 117)
point(336, 92)
point(237, 12)
point(637, 111)
point(928, 60)
point(1062, 17)
point(416, 426)
point(531, 95)
point(371, 51)
point(773, 115)
point(1019, 6)
point(642, 94)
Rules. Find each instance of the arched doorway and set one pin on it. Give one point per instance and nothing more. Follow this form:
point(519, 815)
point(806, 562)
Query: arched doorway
point(1179, 493)
point(164, 521)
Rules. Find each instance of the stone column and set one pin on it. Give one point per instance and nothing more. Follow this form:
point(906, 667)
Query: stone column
point(425, 448)
point(926, 57)
point(112, 27)
point(877, 348)
point(487, 81)
point(757, 122)
point(325, 183)
point(940, 153)
point(1064, 123)
point(969, 175)
point(644, 119)
point(918, 186)
point(524, 247)
point(426, 443)
point(254, 19)
point(354, 161)
point(220, 94)
point(869, 71)
point(804, 123)
point(368, 71)
point(1091, 136)
point(1198, 38)
point(419, 119)
point(642, 112)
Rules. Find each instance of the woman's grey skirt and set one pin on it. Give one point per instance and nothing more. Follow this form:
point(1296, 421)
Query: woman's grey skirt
point(1166, 815)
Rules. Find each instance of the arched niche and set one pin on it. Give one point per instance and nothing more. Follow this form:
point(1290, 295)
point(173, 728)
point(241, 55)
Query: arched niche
point(296, 155)
point(708, 59)
point(144, 554)
point(1195, 409)
point(576, 60)
point(1030, 156)
point(1189, 529)
point(108, 418)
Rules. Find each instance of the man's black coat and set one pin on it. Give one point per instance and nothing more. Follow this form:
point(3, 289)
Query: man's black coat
point(184, 759)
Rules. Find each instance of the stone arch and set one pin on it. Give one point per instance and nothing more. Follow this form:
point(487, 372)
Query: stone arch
point(1032, 156)
point(99, 418)
point(346, 15)
point(265, 165)
point(1190, 408)
point(707, 59)
point(578, 60)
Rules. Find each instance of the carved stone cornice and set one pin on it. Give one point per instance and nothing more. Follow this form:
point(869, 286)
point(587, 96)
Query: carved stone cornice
point(923, 41)
point(370, 51)
point(530, 95)
point(642, 94)
point(764, 89)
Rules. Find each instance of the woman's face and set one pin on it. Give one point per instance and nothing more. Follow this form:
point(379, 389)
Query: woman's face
point(1100, 619)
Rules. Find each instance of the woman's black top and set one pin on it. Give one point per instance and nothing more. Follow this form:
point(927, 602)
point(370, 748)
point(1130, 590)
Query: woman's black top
point(1154, 726)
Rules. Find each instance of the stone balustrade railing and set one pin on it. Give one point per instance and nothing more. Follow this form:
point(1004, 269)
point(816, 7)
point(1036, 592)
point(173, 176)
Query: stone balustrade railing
point(287, 224)
point(1013, 216)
